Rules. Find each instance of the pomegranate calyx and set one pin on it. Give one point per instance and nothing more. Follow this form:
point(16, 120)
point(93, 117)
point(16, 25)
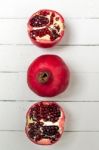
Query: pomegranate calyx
point(44, 77)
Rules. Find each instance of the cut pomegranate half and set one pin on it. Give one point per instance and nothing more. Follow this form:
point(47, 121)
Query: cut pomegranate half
point(48, 75)
point(45, 123)
point(46, 28)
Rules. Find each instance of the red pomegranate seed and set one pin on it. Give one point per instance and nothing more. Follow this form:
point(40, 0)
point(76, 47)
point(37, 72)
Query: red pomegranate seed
point(39, 21)
point(44, 13)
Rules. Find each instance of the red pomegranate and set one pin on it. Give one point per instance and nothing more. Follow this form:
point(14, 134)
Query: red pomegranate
point(48, 75)
point(45, 123)
point(46, 28)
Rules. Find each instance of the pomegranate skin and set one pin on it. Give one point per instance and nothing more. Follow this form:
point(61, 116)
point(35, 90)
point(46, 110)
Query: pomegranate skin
point(48, 76)
point(44, 43)
point(61, 122)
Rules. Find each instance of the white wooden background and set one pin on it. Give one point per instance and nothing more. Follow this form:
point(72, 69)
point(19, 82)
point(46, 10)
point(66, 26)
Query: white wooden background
point(79, 49)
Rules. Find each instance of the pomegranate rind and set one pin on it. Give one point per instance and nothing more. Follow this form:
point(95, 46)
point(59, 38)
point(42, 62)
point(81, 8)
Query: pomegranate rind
point(61, 120)
point(60, 74)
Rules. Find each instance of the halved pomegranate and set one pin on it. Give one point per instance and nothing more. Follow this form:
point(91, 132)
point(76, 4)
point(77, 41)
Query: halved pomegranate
point(46, 28)
point(48, 75)
point(45, 123)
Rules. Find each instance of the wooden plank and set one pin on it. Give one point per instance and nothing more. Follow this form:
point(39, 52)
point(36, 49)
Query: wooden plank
point(78, 31)
point(24, 8)
point(79, 58)
point(70, 141)
point(83, 87)
point(81, 116)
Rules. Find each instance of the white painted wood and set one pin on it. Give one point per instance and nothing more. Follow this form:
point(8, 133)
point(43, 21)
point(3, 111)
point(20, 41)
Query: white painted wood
point(79, 58)
point(69, 141)
point(81, 116)
point(81, 100)
point(69, 8)
point(78, 31)
point(83, 87)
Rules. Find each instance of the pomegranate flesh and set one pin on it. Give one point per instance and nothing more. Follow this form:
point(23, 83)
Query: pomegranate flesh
point(48, 75)
point(45, 123)
point(46, 28)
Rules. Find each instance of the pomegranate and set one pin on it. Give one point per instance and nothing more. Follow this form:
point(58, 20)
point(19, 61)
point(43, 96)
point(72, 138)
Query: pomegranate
point(45, 123)
point(46, 28)
point(48, 75)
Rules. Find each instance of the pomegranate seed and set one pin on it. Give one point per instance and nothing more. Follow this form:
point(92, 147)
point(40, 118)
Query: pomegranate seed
point(54, 35)
point(53, 139)
point(50, 130)
point(38, 138)
point(52, 18)
point(39, 21)
point(57, 18)
point(57, 28)
point(44, 13)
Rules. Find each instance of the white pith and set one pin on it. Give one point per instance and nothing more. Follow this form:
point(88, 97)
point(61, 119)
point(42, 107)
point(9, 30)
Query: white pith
point(57, 22)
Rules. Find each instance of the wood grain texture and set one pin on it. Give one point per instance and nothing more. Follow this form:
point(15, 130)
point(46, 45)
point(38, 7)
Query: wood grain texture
point(69, 141)
point(17, 58)
point(69, 8)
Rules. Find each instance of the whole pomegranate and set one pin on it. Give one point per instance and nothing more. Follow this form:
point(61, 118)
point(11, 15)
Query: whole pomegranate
point(46, 28)
point(45, 123)
point(48, 75)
